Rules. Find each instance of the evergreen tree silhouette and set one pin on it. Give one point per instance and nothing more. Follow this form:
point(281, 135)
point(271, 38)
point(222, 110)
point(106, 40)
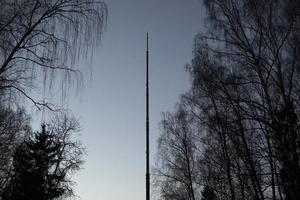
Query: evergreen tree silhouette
point(35, 165)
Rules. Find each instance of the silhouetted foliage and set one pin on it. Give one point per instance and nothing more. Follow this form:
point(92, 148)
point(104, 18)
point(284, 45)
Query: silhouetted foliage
point(177, 157)
point(43, 163)
point(40, 42)
point(14, 124)
point(244, 100)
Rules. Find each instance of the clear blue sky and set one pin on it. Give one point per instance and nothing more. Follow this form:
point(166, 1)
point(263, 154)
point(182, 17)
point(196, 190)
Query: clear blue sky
point(111, 107)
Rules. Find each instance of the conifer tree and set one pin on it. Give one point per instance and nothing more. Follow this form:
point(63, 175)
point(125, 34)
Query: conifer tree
point(42, 165)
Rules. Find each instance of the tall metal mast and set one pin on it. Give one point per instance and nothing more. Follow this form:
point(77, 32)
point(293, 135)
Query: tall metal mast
point(147, 125)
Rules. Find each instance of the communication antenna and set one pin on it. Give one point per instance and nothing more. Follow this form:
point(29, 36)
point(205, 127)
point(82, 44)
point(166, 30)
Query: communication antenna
point(147, 125)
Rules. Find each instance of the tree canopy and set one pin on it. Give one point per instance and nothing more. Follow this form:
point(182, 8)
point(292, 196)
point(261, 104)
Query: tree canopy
point(243, 104)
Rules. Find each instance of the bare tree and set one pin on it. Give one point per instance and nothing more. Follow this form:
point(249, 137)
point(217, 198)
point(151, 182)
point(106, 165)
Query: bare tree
point(246, 67)
point(41, 40)
point(14, 124)
point(176, 171)
point(245, 98)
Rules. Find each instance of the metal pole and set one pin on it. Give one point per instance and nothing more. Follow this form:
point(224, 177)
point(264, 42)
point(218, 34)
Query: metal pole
point(147, 125)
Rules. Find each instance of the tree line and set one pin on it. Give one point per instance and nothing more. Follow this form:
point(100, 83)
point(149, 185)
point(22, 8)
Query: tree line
point(41, 42)
point(235, 134)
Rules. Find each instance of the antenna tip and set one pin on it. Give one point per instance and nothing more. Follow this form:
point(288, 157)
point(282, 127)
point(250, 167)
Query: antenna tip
point(147, 40)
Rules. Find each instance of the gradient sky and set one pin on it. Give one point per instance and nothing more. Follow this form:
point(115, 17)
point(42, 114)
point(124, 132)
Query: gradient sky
point(111, 107)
